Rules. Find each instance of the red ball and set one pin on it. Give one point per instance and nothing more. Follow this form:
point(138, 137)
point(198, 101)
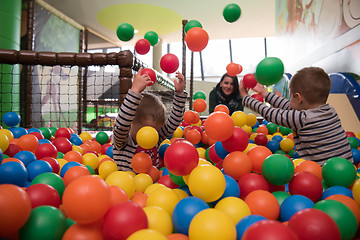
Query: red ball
point(213, 156)
point(181, 158)
point(62, 144)
point(169, 63)
point(269, 229)
point(151, 74)
point(261, 139)
point(46, 150)
point(196, 39)
point(104, 147)
point(122, 220)
point(238, 141)
point(306, 184)
point(43, 194)
point(37, 135)
point(249, 81)
point(350, 134)
point(12, 150)
point(166, 181)
point(142, 46)
point(63, 132)
point(257, 97)
point(311, 223)
point(53, 162)
point(250, 182)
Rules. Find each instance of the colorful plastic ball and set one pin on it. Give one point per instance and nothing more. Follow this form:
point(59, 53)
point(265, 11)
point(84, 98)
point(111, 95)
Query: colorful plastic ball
point(281, 196)
point(337, 190)
point(142, 181)
point(250, 182)
point(238, 141)
point(26, 157)
point(62, 144)
point(269, 71)
point(151, 73)
point(13, 173)
point(168, 182)
point(232, 188)
point(277, 169)
point(273, 146)
point(251, 120)
point(356, 155)
point(263, 203)
point(269, 229)
point(245, 223)
point(257, 97)
point(190, 117)
point(249, 80)
point(196, 39)
point(18, 131)
point(239, 118)
point(312, 223)
point(169, 63)
point(306, 184)
point(101, 137)
point(152, 37)
point(164, 198)
point(215, 120)
point(257, 155)
point(233, 69)
point(81, 231)
point(11, 119)
point(76, 140)
point(338, 171)
point(141, 162)
point(12, 149)
point(219, 150)
point(354, 143)
point(193, 136)
point(46, 132)
point(207, 183)
point(199, 105)
point(192, 23)
point(45, 222)
point(177, 236)
point(125, 32)
point(51, 179)
point(149, 234)
point(74, 156)
point(67, 166)
point(234, 207)
point(231, 12)
point(38, 167)
point(123, 180)
point(237, 164)
point(43, 194)
point(342, 215)
point(349, 202)
point(221, 108)
point(181, 158)
point(109, 151)
point(199, 94)
point(159, 220)
point(74, 173)
point(309, 166)
point(142, 46)
point(292, 205)
point(261, 139)
point(15, 208)
point(7, 133)
point(287, 144)
point(46, 150)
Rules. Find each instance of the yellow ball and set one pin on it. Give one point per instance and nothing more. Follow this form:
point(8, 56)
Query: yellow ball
point(92, 160)
point(287, 144)
point(61, 162)
point(269, 137)
point(102, 156)
point(122, 180)
point(249, 146)
point(278, 133)
point(251, 119)
point(142, 181)
point(234, 207)
point(159, 219)
point(186, 177)
point(181, 193)
point(178, 133)
point(78, 149)
point(153, 187)
point(239, 118)
point(247, 129)
point(4, 142)
point(165, 141)
point(252, 136)
point(148, 234)
point(197, 124)
point(7, 133)
point(164, 198)
point(212, 224)
point(201, 151)
point(106, 168)
point(207, 183)
point(147, 137)
point(85, 136)
point(203, 161)
point(297, 161)
point(356, 191)
point(131, 173)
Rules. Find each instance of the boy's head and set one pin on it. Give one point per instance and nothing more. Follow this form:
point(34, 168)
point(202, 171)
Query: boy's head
point(309, 87)
point(150, 112)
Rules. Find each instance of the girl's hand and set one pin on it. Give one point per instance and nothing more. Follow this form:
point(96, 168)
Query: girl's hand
point(140, 82)
point(180, 83)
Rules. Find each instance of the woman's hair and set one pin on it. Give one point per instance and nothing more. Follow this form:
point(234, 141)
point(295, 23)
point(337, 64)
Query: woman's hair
point(235, 92)
point(313, 83)
point(150, 108)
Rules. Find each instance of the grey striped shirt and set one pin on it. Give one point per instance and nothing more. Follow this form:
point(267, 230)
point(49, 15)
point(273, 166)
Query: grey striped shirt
point(124, 146)
point(318, 134)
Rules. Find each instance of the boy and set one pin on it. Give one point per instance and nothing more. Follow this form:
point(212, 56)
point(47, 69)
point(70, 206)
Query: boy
point(139, 110)
point(318, 134)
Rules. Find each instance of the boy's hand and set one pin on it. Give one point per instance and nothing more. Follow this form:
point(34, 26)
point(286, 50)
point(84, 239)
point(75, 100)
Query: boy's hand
point(140, 82)
point(242, 89)
point(180, 83)
point(259, 88)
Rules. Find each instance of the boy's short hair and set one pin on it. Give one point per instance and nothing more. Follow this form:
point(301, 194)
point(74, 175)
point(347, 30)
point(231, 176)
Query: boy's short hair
point(150, 108)
point(313, 83)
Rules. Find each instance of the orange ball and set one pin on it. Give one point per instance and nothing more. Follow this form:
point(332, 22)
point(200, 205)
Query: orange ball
point(191, 117)
point(258, 155)
point(28, 142)
point(95, 146)
point(221, 108)
point(186, 129)
point(118, 195)
point(15, 209)
point(219, 126)
point(81, 231)
point(263, 203)
point(193, 136)
point(73, 156)
point(154, 173)
point(105, 159)
point(236, 164)
point(262, 129)
point(199, 105)
point(75, 172)
point(177, 236)
point(233, 69)
point(204, 138)
point(85, 147)
point(12, 160)
point(196, 39)
point(139, 198)
point(141, 162)
point(309, 166)
point(349, 202)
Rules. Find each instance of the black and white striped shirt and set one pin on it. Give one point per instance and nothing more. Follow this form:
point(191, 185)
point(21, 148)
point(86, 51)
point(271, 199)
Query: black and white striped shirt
point(318, 134)
point(124, 146)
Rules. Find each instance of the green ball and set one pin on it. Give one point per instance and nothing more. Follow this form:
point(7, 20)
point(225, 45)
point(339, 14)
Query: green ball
point(353, 142)
point(280, 196)
point(269, 71)
point(102, 137)
point(51, 179)
point(272, 128)
point(60, 155)
point(177, 179)
point(53, 130)
point(125, 32)
point(46, 132)
point(199, 94)
point(231, 12)
point(280, 152)
point(284, 130)
point(191, 24)
point(91, 170)
point(338, 171)
point(277, 169)
point(207, 156)
point(342, 215)
point(152, 37)
point(254, 130)
point(45, 222)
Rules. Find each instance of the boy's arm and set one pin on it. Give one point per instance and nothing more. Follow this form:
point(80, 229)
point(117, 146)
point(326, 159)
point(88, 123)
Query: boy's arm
point(272, 98)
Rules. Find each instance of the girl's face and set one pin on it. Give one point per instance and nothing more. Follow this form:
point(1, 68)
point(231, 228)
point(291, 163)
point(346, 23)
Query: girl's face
point(227, 86)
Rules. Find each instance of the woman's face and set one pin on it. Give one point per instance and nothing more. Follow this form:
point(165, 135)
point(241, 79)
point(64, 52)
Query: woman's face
point(227, 86)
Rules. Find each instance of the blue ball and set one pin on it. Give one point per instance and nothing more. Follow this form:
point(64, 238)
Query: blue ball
point(265, 122)
point(18, 131)
point(257, 124)
point(356, 155)
point(251, 141)
point(38, 167)
point(220, 150)
point(184, 211)
point(162, 149)
point(13, 173)
point(245, 223)
point(42, 141)
point(75, 139)
point(67, 166)
point(26, 157)
point(165, 171)
point(292, 205)
point(30, 130)
point(11, 119)
point(1, 156)
point(273, 145)
point(337, 190)
point(109, 151)
point(232, 188)
point(186, 189)
point(277, 138)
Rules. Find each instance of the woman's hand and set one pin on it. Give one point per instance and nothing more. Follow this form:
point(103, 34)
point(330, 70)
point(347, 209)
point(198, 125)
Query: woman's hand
point(140, 82)
point(242, 89)
point(180, 83)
